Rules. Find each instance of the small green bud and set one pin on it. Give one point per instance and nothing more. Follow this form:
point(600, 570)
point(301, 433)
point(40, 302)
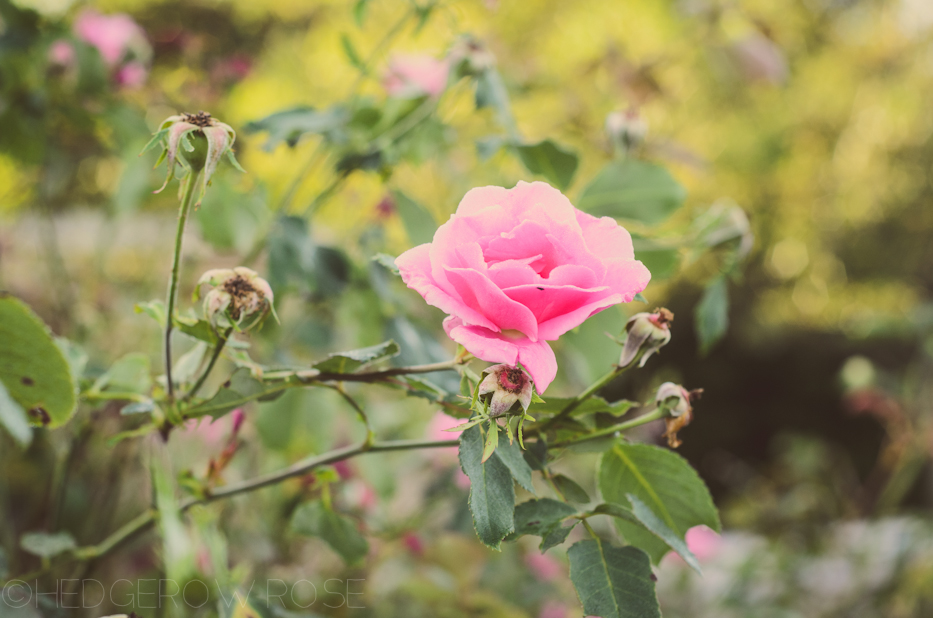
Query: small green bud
point(646, 333)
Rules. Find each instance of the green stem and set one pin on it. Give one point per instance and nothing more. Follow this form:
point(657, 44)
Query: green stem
point(210, 365)
point(145, 520)
point(112, 395)
point(370, 436)
point(608, 431)
point(186, 199)
point(575, 403)
point(325, 194)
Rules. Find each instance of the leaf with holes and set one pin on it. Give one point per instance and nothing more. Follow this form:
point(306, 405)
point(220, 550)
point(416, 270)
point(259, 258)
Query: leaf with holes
point(662, 480)
point(613, 582)
point(33, 369)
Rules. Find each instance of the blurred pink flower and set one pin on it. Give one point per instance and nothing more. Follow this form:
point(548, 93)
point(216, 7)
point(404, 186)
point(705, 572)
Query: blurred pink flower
point(544, 566)
point(703, 542)
point(438, 425)
point(360, 495)
point(132, 74)
point(414, 543)
point(214, 432)
point(62, 53)
point(112, 35)
point(415, 75)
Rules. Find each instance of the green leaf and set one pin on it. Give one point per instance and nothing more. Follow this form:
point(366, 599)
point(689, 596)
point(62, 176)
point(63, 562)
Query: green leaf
point(196, 328)
point(535, 454)
point(295, 259)
point(138, 407)
point(155, 309)
point(359, 12)
point(418, 221)
point(341, 533)
point(641, 298)
point(665, 482)
point(348, 362)
point(290, 125)
point(570, 489)
point(386, 261)
point(47, 545)
point(550, 160)
point(240, 389)
point(712, 314)
point(491, 92)
point(613, 582)
point(492, 494)
point(129, 374)
point(350, 50)
point(13, 418)
point(513, 458)
point(660, 259)
point(487, 147)
point(542, 518)
point(492, 441)
point(556, 536)
point(641, 515)
point(634, 190)
point(33, 369)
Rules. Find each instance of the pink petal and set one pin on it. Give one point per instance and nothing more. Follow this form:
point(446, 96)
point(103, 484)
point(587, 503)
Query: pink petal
point(536, 356)
point(415, 268)
point(566, 306)
point(477, 290)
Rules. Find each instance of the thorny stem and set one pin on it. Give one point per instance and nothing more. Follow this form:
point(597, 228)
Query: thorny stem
point(145, 520)
point(186, 199)
point(210, 365)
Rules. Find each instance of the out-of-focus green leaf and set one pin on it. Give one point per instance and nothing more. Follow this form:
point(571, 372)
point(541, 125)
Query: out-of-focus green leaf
point(13, 418)
point(634, 190)
point(613, 582)
point(570, 489)
point(386, 261)
point(491, 92)
point(47, 545)
point(290, 125)
point(341, 533)
point(129, 374)
point(348, 362)
point(550, 160)
point(240, 389)
point(33, 369)
point(662, 480)
point(418, 221)
point(295, 261)
point(712, 314)
point(155, 309)
point(487, 147)
point(350, 50)
point(231, 219)
point(359, 12)
point(492, 494)
point(661, 261)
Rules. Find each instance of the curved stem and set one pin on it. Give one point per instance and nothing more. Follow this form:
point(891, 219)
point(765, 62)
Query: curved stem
point(210, 365)
point(145, 520)
point(360, 411)
point(186, 199)
point(608, 431)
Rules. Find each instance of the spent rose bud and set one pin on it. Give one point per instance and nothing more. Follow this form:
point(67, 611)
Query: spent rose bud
point(626, 130)
point(410, 76)
point(197, 142)
point(646, 333)
point(676, 400)
point(240, 298)
point(507, 384)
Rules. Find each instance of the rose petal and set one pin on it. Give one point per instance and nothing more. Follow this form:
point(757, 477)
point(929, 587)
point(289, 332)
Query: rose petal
point(477, 290)
point(536, 356)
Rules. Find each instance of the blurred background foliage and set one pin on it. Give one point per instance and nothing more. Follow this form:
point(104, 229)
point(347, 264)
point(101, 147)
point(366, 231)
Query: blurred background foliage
point(812, 116)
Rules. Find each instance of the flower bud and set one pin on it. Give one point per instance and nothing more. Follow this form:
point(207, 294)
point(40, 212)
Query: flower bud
point(507, 384)
point(646, 333)
point(676, 400)
point(195, 141)
point(240, 298)
point(626, 130)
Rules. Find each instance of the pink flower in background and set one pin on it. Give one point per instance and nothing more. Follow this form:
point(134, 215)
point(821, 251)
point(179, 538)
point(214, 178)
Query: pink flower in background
point(132, 74)
point(412, 76)
point(112, 35)
point(516, 268)
point(554, 610)
point(703, 542)
point(446, 456)
point(214, 432)
point(544, 566)
point(62, 53)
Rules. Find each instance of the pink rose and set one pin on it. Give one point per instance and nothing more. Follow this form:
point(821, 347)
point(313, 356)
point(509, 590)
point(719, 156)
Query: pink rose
point(411, 76)
point(516, 268)
point(112, 35)
point(703, 542)
point(544, 567)
point(62, 53)
point(132, 74)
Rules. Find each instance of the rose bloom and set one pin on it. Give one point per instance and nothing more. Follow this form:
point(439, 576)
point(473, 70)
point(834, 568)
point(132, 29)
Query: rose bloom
point(516, 268)
point(112, 35)
point(412, 76)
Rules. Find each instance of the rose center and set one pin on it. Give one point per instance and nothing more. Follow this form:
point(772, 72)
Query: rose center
point(512, 380)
